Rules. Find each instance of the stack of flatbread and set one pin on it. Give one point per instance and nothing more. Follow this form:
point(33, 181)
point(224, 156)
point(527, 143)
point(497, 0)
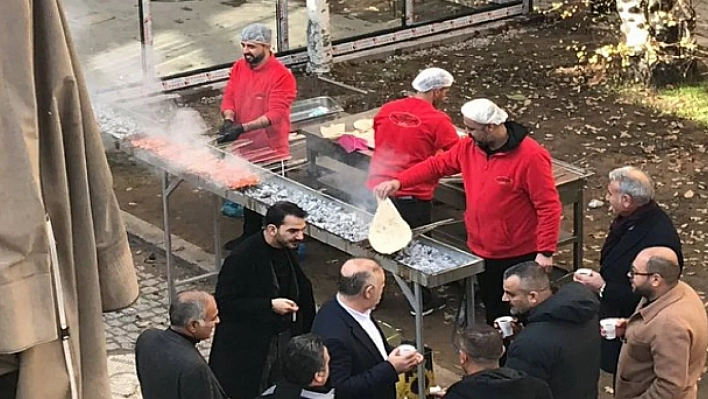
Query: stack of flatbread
point(363, 128)
point(388, 232)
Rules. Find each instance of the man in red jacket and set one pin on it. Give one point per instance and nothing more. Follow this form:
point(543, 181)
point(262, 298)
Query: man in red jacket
point(256, 105)
point(409, 131)
point(513, 208)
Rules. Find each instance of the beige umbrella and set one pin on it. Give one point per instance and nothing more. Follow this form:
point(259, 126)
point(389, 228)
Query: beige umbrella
point(53, 163)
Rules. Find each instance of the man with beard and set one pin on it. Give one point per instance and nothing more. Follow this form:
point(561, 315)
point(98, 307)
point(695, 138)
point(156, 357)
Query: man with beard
point(409, 131)
point(513, 208)
point(560, 339)
point(264, 299)
point(256, 107)
point(639, 223)
point(664, 354)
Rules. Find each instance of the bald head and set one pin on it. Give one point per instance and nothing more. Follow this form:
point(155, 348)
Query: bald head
point(662, 261)
point(355, 275)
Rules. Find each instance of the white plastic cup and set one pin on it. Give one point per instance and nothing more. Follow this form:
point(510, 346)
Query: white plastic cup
point(506, 325)
point(405, 349)
point(584, 271)
point(609, 326)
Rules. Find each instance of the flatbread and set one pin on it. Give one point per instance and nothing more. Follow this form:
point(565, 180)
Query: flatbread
point(363, 125)
point(388, 232)
point(333, 131)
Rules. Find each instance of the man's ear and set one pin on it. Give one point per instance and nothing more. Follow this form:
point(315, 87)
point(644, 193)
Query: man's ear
point(271, 229)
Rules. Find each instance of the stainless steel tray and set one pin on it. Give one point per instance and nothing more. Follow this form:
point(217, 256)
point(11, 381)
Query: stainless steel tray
point(313, 108)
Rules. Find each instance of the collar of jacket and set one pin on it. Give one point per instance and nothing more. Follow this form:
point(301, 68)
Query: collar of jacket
point(652, 310)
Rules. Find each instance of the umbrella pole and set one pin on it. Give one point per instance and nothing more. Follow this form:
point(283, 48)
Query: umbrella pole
point(59, 296)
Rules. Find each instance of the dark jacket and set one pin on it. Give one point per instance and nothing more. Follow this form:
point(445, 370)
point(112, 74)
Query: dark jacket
point(560, 343)
point(289, 391)
point(502, 383)
point(653, 228)
point(170, 367)
point(356, 368)
point(244, 291)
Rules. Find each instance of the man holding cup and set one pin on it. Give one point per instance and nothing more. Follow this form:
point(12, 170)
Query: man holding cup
point(362, 364)
point(639, 223)
point(666, 338)
point(560, 341)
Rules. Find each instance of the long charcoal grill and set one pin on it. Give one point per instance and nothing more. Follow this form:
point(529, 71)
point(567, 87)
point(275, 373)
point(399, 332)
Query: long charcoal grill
point(426, 261)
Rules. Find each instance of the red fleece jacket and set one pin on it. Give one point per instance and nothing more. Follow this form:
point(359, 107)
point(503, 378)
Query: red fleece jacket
point(513, 207)
point(406, 132)
point(269, 90)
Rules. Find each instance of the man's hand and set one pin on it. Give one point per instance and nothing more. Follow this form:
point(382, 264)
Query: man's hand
point(545, 261)
point(594, 280)
point(387, 188)
point(620, 328)
point(229, 131)
point(404, 362)
point(283, 306)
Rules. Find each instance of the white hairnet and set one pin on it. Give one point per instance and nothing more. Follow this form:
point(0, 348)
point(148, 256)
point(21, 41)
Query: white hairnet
point(256, 33)
point(432, 79)
point(484, 112)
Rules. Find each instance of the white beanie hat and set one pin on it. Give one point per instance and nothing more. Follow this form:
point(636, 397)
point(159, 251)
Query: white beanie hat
point(484, 112)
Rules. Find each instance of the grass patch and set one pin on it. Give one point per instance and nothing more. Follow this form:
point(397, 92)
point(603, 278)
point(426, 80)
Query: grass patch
point(688, 101)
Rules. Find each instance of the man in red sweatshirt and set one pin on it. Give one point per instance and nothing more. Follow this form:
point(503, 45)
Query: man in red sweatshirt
point(513, 208)
point(409, 131)
point(256, 105)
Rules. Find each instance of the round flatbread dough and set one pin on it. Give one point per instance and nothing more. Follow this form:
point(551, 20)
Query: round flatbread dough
point(363, 124)
point(388, 232)
point(333, 131)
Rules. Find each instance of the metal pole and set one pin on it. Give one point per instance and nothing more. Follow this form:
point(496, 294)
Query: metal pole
point(469, 313)
point(168, 235)
point(527, 7)
point(281, 15)
point(217, 232)
point(146, 42)
point(408, 12)
point(419, 338)
point(319, 40)
point(578, 230)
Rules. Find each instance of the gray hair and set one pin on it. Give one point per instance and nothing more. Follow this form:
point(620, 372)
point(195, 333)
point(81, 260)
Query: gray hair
point(634, 183)
point(353, 285)
point(187, 307)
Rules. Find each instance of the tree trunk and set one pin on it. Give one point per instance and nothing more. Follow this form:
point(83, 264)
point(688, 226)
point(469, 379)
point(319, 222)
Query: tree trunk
point(659, 42)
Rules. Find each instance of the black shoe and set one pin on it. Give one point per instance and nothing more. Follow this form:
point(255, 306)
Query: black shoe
point(431, 306)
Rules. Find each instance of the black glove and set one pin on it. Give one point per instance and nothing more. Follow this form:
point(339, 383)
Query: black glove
point(229, 132)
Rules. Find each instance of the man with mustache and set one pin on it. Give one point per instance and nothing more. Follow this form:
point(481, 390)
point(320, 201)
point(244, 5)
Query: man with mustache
point(264, 299)
point(256, 107)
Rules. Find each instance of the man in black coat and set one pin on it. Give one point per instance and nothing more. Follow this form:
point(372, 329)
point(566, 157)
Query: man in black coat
point(639, 223)
point(560, 339)
point(480, 348)
point(362, 364)
point(264, 299)
point(305, 371)
point(168, 364)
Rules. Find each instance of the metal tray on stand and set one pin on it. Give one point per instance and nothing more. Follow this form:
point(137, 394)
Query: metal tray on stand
point(311, 109)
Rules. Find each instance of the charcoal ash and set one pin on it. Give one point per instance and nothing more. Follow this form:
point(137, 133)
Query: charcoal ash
point(427, 259)
point(326, 215)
